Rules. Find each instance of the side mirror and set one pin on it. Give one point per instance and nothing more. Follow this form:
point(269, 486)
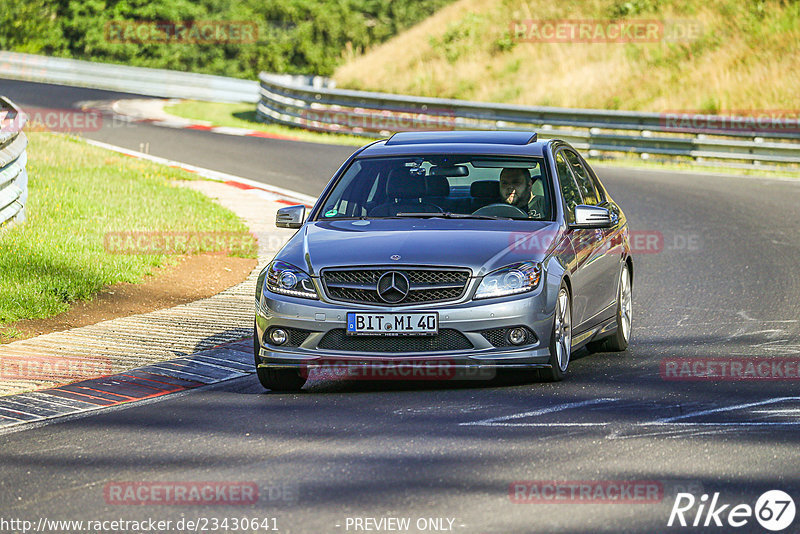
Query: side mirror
point(291, 217)
point(592, 217)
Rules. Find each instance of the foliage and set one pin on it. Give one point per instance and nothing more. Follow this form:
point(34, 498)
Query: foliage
point(293, 36)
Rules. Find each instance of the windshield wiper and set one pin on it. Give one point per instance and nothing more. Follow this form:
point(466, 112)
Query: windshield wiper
point(449, 215)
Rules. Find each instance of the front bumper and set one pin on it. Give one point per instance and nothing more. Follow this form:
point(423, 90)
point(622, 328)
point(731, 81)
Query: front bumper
point(469, 318)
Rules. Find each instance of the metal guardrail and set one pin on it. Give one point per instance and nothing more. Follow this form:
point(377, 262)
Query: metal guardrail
point(320, 107)
point(311, 102)
point(13, 158)
point(137, 80)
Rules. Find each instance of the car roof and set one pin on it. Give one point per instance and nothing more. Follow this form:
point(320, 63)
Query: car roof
point(481, 142)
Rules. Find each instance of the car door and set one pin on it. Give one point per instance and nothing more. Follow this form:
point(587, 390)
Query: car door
point(604, 262)
point(582, 241)
point(615, 235)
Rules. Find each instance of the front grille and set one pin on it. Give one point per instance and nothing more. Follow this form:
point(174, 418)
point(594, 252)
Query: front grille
point(499, 337)
point(360, 285)
point(296, 337)
point(446, 339)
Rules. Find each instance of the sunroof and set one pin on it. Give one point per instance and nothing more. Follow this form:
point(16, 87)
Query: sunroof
point(482, 137)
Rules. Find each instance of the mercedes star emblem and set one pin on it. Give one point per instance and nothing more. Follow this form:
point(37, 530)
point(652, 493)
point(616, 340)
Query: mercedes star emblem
point(393, 287)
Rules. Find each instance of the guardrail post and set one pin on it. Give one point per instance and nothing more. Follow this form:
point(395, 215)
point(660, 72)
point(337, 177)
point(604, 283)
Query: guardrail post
point(13, 162)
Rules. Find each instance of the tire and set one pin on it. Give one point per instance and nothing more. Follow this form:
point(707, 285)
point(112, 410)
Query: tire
point(275, 379)
point(618, 341)
point(560, 338)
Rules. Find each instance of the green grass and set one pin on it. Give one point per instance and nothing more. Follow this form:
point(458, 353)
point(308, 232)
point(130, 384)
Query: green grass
point(244, 116)
point(9, 334)
point(78, 193)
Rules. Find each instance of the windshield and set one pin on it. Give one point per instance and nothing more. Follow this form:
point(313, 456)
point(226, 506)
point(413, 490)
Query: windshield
point(453, 186)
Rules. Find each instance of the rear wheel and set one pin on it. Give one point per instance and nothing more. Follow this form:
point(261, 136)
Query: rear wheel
point(618, 341)
point(275, 379)
point(561, 338)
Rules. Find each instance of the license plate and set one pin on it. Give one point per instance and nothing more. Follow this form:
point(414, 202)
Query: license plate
point(393, 324)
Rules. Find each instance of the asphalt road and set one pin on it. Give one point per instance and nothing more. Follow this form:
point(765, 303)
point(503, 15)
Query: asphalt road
point(302, 167)
point(723, 284)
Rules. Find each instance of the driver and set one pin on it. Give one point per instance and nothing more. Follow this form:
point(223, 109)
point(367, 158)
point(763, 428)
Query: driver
point(516, 188)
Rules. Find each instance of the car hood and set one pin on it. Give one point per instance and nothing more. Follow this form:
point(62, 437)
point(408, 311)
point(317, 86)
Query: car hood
point(481, 245)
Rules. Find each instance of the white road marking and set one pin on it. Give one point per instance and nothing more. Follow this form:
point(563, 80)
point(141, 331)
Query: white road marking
point(743, 314)
point(787, 411)
point(672, 433)
point(783, 349)
point(230, 130)
point(726, 323)
point(675, 422)
point(498, 421)
point(210, 174)
point(722, 423)
point(727, 409)
point(679, 424)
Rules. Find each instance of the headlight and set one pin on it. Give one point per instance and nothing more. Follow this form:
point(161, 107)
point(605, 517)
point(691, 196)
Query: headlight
point(510, 280)
point(286, 279)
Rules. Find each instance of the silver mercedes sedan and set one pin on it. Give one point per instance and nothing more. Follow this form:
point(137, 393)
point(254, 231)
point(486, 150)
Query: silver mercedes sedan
point(447, 255)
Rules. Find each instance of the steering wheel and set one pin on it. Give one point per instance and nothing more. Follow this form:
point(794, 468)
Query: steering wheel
point(501, 209)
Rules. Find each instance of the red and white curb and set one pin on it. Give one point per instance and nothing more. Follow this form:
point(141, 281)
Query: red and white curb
point(224, 130)
point(204, 368)
point(219, 363)
point(151, 111)
point(268, 192)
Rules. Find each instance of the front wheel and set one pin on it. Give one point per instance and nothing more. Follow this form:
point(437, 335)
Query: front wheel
point(275, 379)
point(561, 338)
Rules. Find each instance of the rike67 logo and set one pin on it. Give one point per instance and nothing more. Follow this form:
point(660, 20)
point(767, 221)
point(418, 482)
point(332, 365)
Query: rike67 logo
point(774, 510)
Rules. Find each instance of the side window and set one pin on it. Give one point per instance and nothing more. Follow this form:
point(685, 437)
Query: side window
point(583, 179)
point(349, 203)
point(601, 196)
point(569, 190)
point(374, 190)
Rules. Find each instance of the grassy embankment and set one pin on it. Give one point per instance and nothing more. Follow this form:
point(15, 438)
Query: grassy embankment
point(744, 57)
point(77, 194)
